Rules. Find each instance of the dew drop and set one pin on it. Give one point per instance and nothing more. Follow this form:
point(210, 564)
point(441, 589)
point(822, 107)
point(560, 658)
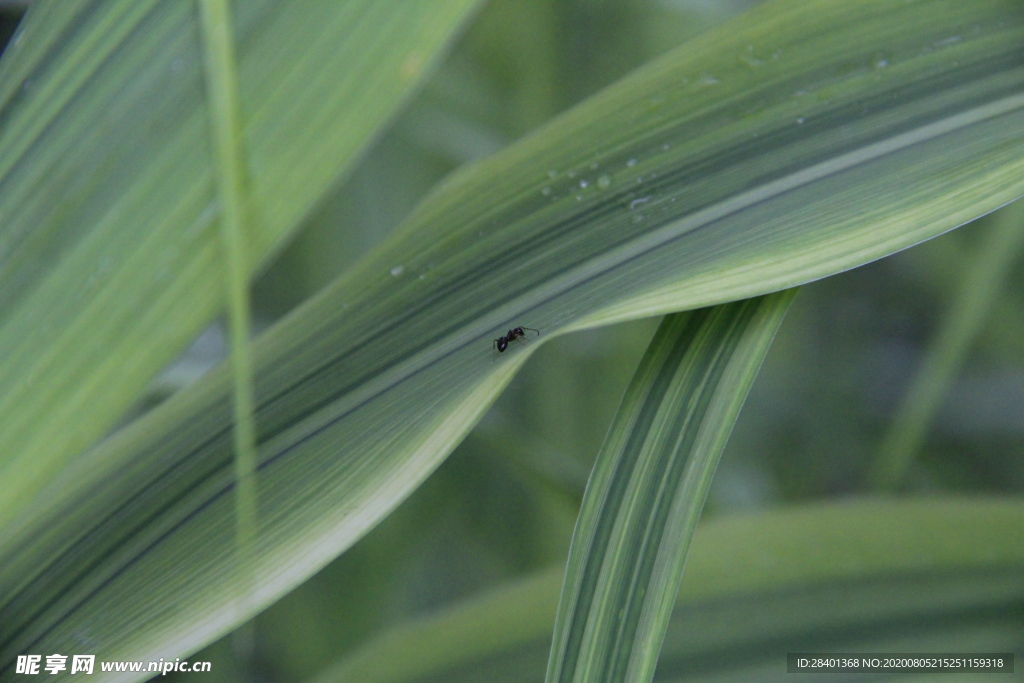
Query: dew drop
point(801, 120)
point(637, 202)
point(881, 63)
point(631, 163)
point(604, 182)
point(583, 183)
point(545, 191)
point(552, 174)
point(397, 270)
point(709, 79)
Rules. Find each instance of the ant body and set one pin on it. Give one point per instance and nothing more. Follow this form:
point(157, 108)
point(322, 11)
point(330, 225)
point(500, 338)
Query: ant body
point(501, 343)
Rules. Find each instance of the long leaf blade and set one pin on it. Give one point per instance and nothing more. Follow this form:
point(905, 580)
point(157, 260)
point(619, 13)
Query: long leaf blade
point(108, 248)
point(648, 488)
point(985, 277)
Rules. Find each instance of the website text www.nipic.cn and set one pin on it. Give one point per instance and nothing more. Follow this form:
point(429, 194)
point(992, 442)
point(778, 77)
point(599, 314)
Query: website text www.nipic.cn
point(86, 664)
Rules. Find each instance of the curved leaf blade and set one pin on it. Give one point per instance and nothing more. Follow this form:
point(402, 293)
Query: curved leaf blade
point(648, 488)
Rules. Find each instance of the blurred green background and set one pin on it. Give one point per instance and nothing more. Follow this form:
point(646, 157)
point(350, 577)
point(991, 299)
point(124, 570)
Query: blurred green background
point(505, 502)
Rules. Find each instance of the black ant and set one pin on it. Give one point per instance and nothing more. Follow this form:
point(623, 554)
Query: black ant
point(501, 343)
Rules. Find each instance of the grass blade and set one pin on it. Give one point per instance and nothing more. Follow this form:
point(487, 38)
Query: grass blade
point(968, 312)
point(235, 226)
point(648, 488)
point(109, 252)
point(755, 586)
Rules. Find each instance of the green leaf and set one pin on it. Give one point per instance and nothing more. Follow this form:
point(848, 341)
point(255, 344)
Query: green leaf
point(805, 138)
point(838, 577)
point(109, 253)
point(648, 488)
point(986, 275)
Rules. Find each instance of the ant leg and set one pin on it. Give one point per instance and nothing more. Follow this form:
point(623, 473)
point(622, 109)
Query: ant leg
point(530, 329)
